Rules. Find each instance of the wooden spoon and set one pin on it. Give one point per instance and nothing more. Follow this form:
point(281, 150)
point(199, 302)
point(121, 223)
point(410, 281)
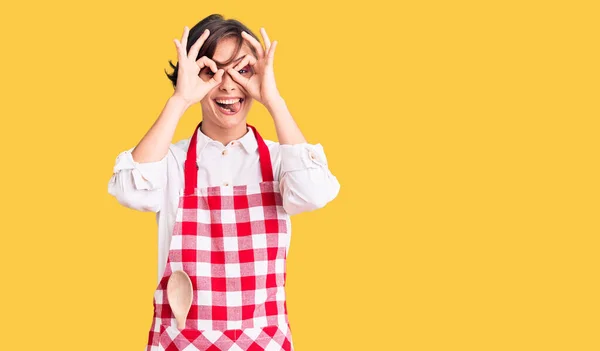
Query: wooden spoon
point(180, 294)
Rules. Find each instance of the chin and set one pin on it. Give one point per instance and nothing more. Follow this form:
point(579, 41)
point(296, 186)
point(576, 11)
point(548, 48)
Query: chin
point(228, 123)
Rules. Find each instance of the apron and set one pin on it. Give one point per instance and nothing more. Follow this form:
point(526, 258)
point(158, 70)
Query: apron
point(232, 241)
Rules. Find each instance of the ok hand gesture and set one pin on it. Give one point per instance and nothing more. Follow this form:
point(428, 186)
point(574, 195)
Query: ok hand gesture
point(190, 86)
point(261, 85)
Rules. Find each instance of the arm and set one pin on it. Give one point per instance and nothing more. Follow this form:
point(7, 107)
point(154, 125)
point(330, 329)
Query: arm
point(140, 174)
point(138, 186)
point(305, 180)
point(287, 130)
point(306, 183)
point(189, 89)
point(155, 144)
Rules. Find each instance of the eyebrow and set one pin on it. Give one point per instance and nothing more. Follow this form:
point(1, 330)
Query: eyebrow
point(219, 64)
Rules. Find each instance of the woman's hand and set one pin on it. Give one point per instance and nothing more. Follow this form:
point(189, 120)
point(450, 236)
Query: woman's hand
point(190, 87)
point(261, 85)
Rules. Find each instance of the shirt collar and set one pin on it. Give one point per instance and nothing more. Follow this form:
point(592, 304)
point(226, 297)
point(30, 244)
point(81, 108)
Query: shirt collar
point(248, 141)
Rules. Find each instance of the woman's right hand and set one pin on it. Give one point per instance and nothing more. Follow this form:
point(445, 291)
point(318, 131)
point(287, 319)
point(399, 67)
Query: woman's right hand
point(190, 87)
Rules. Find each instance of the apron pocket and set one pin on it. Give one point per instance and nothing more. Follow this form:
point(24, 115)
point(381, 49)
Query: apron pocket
point(272, 336)
point(172, 338)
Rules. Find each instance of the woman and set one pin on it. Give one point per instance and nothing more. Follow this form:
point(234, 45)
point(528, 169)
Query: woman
point(224, 196)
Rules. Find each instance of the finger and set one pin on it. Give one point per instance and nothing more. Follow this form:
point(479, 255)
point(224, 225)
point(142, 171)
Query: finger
point(266, 39)
point(184, 38)
point(217, 78)
point(248, 59)
point(243, 81)
point(193, 54)
point(179, 51)
point(205, 61)
point(271, 54)
point(254, 43)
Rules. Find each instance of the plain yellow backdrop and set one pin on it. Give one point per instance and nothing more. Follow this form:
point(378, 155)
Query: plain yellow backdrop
point(464, 135)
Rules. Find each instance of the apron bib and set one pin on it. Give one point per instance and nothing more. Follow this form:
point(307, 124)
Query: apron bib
point(232, 241)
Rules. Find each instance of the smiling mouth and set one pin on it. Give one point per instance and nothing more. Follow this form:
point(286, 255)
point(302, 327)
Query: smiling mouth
point(229, 106)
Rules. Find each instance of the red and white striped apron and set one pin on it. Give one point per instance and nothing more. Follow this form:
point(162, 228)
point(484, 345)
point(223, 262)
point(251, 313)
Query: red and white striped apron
point(232, 241)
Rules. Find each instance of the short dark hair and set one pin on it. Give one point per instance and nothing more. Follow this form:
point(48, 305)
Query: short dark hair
point(219, 28)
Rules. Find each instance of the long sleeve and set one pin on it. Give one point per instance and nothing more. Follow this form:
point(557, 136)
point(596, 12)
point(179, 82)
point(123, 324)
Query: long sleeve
point(306, 183)
point(138, 186)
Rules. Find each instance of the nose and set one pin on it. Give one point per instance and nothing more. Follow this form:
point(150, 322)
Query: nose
point(227, 83)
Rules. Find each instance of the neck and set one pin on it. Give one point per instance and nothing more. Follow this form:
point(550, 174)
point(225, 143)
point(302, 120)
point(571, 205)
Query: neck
point(223, 135)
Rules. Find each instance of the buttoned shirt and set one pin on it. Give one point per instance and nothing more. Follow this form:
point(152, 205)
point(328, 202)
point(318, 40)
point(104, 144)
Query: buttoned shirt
point(305, 181)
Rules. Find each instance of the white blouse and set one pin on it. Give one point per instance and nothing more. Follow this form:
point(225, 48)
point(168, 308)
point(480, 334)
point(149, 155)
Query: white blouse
point(305, 181)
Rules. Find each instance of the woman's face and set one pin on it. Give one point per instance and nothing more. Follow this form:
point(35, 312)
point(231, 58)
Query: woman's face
point(229, 115)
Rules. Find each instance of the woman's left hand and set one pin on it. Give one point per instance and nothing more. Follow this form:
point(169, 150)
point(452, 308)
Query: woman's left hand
point(261, 85)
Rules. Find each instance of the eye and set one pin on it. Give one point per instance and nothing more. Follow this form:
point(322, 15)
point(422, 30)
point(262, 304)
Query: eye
point(245, 70)
point(207, 71)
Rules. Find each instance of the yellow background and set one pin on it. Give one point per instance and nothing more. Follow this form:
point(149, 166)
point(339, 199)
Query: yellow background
point(464, 135)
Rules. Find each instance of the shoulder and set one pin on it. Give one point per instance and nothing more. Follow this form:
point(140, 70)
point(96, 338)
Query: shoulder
point(272, 145)
point(274, 149)
point(178, 150)
point(181, 145)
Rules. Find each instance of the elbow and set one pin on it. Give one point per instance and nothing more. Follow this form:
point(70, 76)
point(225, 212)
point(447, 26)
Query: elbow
point(136, 202)
point(326, 194)
point(127, 195)
point(315, 196)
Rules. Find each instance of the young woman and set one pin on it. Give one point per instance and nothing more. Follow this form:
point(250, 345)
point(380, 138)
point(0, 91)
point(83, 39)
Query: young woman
point(224, 196)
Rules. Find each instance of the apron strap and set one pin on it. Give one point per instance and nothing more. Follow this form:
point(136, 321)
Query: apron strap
point(264, 157)
point(191, 168)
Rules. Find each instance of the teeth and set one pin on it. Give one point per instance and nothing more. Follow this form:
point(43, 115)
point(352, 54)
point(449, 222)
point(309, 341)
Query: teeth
point(228, 102)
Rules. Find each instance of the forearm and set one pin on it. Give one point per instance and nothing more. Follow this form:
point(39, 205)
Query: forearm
point(287, 130)
point(155, 144)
